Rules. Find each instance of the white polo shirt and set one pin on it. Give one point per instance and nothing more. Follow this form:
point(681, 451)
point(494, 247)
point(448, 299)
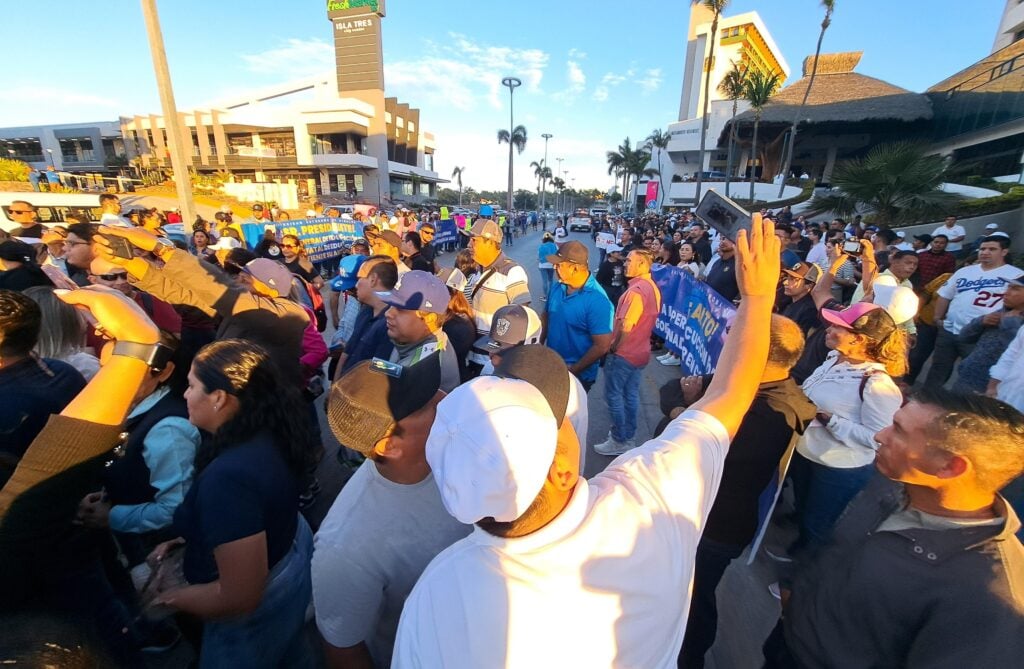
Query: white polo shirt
point(952, 233)
point(606, 583)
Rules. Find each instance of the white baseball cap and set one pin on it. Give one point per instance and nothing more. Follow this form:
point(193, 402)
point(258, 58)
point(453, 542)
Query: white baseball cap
point(226, 243)
point(991, 226)
point(491, 447)
point(900, 302)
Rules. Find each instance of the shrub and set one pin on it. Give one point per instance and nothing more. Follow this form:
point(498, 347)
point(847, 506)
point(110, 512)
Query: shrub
point(13, 170)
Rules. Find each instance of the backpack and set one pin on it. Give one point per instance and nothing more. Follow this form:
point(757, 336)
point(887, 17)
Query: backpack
point(315, 302)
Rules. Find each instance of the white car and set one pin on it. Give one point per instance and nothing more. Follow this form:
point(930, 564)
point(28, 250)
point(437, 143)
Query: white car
point(580, 224)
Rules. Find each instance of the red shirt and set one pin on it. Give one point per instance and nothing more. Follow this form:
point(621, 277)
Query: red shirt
point(931, 265)
point(635, 346)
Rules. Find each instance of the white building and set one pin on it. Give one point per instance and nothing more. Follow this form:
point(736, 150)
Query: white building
point(742, 39)
point(1011, 25)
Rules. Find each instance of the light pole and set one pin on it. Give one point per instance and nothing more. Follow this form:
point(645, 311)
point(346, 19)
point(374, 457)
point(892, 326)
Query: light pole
point(179, 163)
point(544, 181)
point(49, 154)
point(557, 172)
point(565, 184)
point(512, 83)
point(572, 198)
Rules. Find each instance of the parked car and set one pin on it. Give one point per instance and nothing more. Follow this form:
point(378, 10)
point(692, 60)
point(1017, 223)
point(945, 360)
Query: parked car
point(580, 224)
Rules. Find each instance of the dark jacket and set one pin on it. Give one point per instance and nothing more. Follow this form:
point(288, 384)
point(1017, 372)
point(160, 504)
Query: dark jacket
point(276, 324)
point(909, 598)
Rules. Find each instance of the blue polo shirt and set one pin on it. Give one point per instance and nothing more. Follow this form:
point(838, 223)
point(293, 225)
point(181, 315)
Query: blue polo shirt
point(573, 319)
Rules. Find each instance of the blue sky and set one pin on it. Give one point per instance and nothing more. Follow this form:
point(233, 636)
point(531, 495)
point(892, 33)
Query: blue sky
point(592, 74)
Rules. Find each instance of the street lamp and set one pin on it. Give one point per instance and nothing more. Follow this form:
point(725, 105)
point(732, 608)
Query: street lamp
point(544, 192)
point(512, 83)
point(557, 172)
point(572, 199)
point(49, 154)
point(565, 184)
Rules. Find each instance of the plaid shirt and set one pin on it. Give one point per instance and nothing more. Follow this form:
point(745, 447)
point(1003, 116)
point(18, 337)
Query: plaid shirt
point(931, 265)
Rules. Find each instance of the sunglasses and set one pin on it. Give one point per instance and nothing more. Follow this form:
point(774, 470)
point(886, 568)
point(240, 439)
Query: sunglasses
point(113, 276)
point(289, 246)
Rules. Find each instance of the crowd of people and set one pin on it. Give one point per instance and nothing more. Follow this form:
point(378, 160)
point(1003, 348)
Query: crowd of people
point(161, 412)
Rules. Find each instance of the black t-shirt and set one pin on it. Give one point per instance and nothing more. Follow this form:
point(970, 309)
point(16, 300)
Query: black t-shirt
point(36, 231)
point(778, 409)
point(722, 278)
point(417, 261)
point(815, 349)
point(461, 333)
point(247, 489)
point(804, 313)
point(22, 277)
point(295, 267)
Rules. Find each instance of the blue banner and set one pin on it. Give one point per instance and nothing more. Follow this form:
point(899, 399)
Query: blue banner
point(446, 232)
point(694, 319)
point(322, 237)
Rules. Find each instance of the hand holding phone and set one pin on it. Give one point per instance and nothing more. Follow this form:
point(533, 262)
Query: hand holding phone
point(724, 215)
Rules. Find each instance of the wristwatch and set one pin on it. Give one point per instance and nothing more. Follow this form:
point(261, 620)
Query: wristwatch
point(163, 247)
point(156, 356)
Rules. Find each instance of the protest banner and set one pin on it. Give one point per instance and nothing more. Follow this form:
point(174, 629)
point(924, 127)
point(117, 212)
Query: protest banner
point(446, 232)
point(604, 240)
point(322, 237)
point(693, 319)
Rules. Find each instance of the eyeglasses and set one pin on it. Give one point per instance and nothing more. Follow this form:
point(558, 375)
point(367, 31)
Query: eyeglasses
point(74, 243)
point(289, 246)
point(113, 276)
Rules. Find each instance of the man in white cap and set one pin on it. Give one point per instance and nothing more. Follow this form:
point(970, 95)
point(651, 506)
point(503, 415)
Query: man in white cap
point(501, 281)
point(561, 571)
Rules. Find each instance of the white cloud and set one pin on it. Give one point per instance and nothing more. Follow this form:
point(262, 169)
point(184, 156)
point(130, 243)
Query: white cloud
point(463, 73)
point(576, 54)
point(650, 81)
point(612, 79)
point(293, 58)
point(576, 77)
point(600, 94)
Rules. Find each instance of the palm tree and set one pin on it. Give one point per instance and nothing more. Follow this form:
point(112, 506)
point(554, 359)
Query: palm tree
point(636, 167)
point(457, 175)
point(732, 87)
point(716, 7)
point(825, 23)
point(758, 90)
point(620, 161)
point(538, 171)
point(896, 182)
point(658, 141)
point(558, 184)
point(516, 139)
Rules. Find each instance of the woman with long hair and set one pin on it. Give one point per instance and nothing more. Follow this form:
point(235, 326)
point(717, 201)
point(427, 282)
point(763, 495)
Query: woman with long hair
point(688, 260)
point(246, 547)
point(856, 398)
point(201, 246)
point(62, 335)
point(459, 321)
point(297, 262)
point(667, 254)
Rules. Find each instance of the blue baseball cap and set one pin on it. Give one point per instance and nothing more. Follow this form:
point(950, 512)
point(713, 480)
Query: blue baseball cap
point(418, 290)
point(348, 270)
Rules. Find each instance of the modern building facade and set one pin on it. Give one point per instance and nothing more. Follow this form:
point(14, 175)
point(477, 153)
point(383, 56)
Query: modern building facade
point(1011, 25)
point(71, 147)
point(303, 131)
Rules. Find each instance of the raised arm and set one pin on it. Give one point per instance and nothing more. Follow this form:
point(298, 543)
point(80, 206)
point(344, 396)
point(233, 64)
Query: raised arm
point(745, 353)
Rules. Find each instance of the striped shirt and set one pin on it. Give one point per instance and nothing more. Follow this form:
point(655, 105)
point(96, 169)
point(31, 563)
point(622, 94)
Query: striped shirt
point(504, 283)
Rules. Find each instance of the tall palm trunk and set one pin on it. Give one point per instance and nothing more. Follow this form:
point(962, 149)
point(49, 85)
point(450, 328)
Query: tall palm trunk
point(753, 156)
point(807, 93)
point(713, 37)
point(732, 143)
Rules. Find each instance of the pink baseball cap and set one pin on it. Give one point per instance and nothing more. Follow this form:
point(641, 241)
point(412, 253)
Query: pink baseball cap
point(864, 318)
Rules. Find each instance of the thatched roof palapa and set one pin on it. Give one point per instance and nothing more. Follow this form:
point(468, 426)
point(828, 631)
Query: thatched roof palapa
point(841, 95)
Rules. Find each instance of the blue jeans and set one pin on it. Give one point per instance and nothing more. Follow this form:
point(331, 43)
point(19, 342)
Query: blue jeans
point(547, 275)
point(822, 494)
point(622, 391)
point(273, 634)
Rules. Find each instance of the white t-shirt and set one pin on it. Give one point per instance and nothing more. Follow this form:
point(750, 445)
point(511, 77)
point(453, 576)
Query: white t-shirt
point(952, 233)
point(1009, 371)
point(974, 292)
point(373, 545)
point(606, 583)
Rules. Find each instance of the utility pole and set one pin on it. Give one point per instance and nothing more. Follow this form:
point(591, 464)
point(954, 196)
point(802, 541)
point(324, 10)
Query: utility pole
point(179, 162)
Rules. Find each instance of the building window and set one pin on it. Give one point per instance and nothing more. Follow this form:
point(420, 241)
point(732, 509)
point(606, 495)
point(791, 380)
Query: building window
point(1019, 35)
point(735, 31)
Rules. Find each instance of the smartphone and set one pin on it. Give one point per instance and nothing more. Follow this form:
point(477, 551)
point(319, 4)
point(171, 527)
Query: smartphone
point(852, 247)
point(392, 369)
point(724, 215)
point(120, 247)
